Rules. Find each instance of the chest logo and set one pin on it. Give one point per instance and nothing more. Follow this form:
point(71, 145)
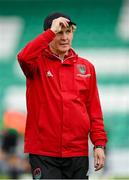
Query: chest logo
point(49, 74)
point(81, 68)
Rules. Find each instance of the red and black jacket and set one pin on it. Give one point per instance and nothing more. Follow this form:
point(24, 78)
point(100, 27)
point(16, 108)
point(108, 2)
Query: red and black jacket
point(63, 106)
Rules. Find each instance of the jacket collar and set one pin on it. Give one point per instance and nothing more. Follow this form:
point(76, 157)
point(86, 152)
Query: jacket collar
point(70, 58)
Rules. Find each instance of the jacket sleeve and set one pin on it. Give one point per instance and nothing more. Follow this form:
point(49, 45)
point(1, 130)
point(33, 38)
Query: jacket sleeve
point(97, 133)
point(28, 56)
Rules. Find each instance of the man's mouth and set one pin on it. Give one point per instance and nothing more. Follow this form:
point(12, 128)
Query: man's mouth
point(64, 44)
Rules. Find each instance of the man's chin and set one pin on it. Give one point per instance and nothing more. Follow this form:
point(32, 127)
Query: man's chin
point(64, 50)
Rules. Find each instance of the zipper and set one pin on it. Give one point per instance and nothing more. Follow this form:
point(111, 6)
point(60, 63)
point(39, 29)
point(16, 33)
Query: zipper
point(61, 138)
point(62, 61)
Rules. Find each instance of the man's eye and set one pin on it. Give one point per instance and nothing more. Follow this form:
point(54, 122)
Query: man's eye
point(60, 32)
point(68, 31)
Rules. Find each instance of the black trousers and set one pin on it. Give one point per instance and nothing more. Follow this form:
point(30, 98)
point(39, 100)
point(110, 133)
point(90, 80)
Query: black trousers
point(45, 167)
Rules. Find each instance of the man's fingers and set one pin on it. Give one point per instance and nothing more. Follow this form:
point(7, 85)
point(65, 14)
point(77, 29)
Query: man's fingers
point(64, 21)
point(99, 163)
point(58, 23)
point(96, 161)
point(99, 159)
point(99, 166)
point(64, 24)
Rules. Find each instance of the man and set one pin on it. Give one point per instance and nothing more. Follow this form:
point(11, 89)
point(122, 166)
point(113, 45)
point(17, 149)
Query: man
point(63, 106)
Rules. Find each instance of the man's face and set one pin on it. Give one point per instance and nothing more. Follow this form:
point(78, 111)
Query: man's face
point(62, 42)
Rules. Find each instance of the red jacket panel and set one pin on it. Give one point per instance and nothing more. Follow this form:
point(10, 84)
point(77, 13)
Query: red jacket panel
point(63, 106)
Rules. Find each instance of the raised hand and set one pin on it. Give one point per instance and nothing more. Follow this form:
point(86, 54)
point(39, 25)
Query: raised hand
point(58, 23)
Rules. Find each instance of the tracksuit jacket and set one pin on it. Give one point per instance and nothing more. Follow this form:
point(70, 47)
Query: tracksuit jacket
point(63, 106)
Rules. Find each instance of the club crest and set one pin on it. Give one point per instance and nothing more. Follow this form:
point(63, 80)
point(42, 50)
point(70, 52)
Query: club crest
point(37, 173)
point(81, 68)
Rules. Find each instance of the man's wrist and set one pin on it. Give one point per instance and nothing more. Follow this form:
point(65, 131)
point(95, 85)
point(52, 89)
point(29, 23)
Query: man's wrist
point(99, 146)
point(54, 30)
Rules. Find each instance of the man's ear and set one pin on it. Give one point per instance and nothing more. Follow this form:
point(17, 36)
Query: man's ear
point(74, 27)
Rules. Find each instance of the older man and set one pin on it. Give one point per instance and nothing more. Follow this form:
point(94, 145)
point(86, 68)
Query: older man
point(63, 107)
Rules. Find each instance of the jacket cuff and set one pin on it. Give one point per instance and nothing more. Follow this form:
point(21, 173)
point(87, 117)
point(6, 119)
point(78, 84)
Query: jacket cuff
point(102, 147)
point(100, 143)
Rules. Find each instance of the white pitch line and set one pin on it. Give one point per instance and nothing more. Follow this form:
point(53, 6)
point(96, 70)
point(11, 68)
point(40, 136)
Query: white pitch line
point(123, 21)
point(114, 99)
point(10, 32)
point(108, 61)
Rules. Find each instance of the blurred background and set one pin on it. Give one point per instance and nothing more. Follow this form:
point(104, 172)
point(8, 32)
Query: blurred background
point(102, 36)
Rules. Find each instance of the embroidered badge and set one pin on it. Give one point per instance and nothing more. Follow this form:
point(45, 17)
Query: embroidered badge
point(37, 173)
point(81, 68)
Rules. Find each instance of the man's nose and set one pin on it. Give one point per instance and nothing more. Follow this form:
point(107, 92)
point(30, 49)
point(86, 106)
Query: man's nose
point(64, 36)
